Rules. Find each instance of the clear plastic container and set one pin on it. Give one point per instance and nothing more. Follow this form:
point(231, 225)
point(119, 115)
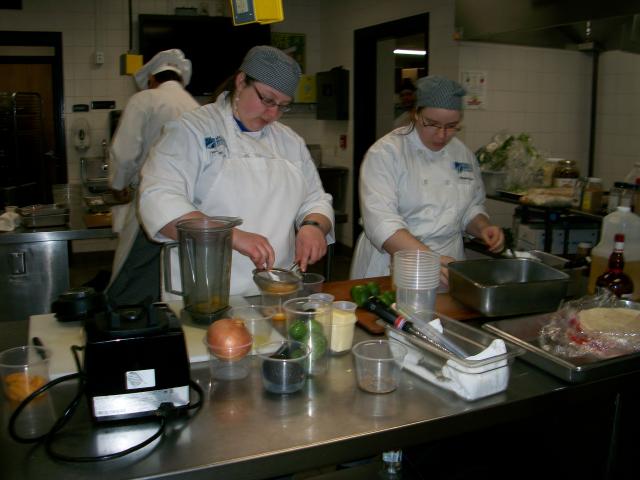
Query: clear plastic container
point(620, 221)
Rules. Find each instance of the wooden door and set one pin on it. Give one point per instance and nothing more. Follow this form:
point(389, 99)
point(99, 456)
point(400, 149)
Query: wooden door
point(36, 78)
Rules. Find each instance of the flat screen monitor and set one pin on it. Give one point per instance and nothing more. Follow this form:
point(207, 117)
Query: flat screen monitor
point(213, 44)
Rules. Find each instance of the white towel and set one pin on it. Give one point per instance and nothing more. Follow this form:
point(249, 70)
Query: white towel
point(470, 383)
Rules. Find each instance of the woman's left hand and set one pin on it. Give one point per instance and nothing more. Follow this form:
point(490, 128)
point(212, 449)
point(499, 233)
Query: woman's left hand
point(311, 246)
point(493, 236)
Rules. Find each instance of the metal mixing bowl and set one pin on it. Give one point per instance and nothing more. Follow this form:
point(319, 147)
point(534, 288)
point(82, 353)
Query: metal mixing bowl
point(277, 280)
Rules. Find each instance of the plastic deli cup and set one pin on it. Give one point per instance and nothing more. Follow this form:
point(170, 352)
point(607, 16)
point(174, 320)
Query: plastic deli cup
point(284, 366)
point(343, 324)
point(228, 363)
point(416, 269)
point(309, 321)
point(23, 370)
point(379, 364)
point(312, 283)
point(257, 319)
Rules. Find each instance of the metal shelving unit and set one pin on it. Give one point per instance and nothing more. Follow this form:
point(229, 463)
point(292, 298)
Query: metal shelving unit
point(22, 179)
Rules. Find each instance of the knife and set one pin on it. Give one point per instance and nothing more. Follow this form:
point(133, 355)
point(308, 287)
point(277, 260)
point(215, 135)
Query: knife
point(38, 343)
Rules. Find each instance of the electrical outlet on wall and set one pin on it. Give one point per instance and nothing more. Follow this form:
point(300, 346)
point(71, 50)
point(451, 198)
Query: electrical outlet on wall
point(99, 57)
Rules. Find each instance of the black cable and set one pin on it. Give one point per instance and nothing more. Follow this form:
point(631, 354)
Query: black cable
point(60, 422)
point(163, 412)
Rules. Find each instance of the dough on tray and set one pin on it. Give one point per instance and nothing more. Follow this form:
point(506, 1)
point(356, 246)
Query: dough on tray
point(614, 321)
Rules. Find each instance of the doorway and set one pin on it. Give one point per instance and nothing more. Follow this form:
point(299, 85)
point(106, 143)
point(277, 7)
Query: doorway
point(31, 62)
point(369, 105)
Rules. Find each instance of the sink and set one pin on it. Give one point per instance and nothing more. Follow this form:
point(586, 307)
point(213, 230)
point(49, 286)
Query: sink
point(94, 172)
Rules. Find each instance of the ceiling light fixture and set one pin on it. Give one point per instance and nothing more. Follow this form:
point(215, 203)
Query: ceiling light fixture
point(402, 51)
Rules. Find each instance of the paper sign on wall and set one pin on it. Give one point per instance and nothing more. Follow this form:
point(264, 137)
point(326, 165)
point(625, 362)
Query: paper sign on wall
point(475, 83)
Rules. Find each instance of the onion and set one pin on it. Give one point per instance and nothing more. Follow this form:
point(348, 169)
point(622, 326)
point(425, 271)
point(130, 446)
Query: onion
point(228, 338)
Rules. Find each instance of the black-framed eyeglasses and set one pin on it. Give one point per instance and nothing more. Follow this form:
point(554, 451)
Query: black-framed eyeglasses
point(451, 128)
point(270, 102)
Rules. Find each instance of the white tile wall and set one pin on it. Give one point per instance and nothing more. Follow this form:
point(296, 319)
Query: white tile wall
point(543, 92)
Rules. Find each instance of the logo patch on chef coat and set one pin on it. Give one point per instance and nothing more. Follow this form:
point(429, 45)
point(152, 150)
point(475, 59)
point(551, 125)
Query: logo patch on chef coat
point(463, 169)
point(215, 144)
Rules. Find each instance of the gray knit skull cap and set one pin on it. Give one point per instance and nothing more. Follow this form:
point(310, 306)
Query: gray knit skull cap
point(439, 92)
point(272, 67)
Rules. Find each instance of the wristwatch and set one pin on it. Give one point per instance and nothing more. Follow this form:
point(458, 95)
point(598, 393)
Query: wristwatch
point(311, 222)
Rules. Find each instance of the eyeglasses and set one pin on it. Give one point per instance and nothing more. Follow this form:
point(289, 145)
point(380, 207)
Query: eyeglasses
point(271, 103)
point(450, 129)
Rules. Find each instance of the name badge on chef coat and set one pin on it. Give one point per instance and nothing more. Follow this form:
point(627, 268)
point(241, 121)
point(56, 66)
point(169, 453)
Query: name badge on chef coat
point(216, 145)
point(464, 171)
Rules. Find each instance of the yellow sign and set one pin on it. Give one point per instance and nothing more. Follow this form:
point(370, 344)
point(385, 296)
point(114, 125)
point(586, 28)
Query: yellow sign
point(260, 11)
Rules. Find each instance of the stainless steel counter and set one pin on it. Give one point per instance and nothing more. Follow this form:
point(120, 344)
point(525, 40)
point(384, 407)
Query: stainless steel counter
point(75, 230)
point(34, 265)
point(242, 432)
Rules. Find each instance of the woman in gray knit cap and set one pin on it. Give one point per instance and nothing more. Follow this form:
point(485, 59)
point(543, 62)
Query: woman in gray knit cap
point(421, 188)
point(233, 158)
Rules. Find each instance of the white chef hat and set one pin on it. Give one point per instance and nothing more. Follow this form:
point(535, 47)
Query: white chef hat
point(173, 60)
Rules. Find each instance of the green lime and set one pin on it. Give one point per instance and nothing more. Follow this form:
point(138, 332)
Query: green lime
point(318, 344)
point(298, 330)
point(316, 327)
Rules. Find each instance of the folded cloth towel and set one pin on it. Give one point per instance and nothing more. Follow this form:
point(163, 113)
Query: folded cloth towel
point(9, 220)
point(468, 381)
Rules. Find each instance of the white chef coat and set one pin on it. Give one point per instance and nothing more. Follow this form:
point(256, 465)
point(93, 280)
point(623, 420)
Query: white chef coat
point(405, 185)
point(139, 127)
point(205, 162)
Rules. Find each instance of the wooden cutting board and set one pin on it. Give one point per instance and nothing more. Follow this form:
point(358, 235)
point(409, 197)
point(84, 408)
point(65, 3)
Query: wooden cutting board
point(445, 304)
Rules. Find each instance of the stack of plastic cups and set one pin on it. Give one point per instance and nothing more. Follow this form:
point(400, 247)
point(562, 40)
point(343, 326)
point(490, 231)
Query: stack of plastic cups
point(416, 276)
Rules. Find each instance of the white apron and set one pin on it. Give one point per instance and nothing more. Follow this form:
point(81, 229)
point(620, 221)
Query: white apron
point(124, 222)
point(266, 193)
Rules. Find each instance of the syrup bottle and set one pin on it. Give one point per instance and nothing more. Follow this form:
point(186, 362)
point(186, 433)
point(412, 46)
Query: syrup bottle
point(614, 279)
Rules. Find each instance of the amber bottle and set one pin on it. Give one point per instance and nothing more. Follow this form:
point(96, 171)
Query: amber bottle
point(614, 279)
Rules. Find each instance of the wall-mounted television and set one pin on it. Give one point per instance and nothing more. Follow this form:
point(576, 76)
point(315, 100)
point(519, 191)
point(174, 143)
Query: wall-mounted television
point(214, 46)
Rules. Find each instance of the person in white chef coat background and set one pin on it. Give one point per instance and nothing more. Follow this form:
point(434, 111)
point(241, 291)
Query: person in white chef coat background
point(233, 158)
point(162, 81)
point(421, 188)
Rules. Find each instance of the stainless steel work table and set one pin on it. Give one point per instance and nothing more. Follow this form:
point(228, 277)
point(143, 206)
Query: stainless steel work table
point(242, 432)
point(34, 266)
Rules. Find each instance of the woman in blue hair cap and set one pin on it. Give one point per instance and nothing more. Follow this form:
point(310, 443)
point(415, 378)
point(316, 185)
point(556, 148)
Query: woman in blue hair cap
point(421, 188)
point(233, 158)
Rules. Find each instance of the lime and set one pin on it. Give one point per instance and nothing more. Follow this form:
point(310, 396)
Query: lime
point(316, 327)
point(318, 344)
point(298, 330)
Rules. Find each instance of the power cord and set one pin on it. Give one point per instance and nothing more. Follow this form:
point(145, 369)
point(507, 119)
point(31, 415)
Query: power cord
point(164, 411)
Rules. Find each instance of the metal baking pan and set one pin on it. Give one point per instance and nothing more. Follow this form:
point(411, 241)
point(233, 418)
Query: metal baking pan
point(36, 216)
point(507, 286)
point(525, 331)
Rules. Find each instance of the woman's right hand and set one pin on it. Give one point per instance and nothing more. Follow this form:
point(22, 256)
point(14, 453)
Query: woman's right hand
point(254, 246)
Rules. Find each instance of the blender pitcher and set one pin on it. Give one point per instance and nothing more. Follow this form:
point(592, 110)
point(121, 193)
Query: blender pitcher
point(204, 247)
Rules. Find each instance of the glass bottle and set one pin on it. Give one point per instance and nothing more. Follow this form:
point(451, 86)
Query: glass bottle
point(592, 195)
point(614, 279)
point(565, 174)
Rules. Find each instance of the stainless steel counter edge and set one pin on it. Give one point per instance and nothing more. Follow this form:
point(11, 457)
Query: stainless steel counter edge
point(54, 234)
point(243, 432)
